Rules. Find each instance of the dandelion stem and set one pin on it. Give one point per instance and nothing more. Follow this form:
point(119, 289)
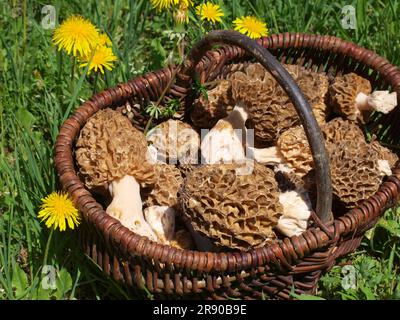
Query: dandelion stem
point(181, 49)
point(46, 252)
point(25, 24)
point(73, 71)
point(95, 82)
point(60, 71)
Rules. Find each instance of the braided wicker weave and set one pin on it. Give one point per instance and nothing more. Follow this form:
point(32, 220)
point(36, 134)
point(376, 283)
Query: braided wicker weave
point(292, 264)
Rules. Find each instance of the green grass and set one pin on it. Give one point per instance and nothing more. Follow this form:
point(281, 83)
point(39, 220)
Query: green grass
point(37, 92)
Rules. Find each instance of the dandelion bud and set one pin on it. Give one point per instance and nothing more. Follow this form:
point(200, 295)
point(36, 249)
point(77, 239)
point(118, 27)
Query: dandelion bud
point(181, 15)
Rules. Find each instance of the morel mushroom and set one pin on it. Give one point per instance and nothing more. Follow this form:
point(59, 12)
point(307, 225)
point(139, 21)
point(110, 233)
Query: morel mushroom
point(295, 150)
point(356, 172)
point(351, 97)
point(112, 154)
point(270, 109)
point(161, 201)
point(164, 191)
point(386, 158)
point(235, 210)
point(292, 152)
point(175, 141)
point(207, 110)
point(294, 147)
point(339, 129)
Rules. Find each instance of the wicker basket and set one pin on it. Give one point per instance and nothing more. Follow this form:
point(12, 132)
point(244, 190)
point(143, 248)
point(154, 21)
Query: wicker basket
point(293, 264)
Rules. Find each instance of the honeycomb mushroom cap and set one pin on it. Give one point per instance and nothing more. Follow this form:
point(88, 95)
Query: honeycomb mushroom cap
point(166, 186)
point(270, 109)
point(237, 211)
point(339, 129)
point(321, 110)
point(109, 147)
point(186, 169)
point(294, 146)
point(315, 86)
point(175, 141)
point(343, 93)
point(355, 172)
point(207, 110)
point(384, 153)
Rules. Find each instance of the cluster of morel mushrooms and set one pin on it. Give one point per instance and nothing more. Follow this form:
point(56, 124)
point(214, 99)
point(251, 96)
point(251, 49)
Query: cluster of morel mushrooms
point(224, 191)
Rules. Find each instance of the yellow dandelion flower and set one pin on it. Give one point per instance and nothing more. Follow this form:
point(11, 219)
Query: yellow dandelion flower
point(163, 4)
point(209, 11)
point(103, 57)
point(185, 3)
point(104, 40)
point(166, 4)
point(76, 34)
point(251, 27)
point(57, 210)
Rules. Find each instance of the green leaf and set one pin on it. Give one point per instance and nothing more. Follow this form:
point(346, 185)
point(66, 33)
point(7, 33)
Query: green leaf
point(306, 297)
point(391, 259)
point(200, 88)
point(64, 283)
point(25, 118)
point(392, 226)
point(159, 53)
point(42, 294)
point(396, 295)
point(19, 281)
point(361, 12)
point(171, 108)
point(369, 295)
point(349, 295)
point(153, 110)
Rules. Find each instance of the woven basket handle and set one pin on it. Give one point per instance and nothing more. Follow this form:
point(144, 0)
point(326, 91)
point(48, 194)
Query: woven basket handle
point(322, 171)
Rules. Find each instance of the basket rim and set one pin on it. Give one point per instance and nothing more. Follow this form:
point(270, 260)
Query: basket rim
point(286, 250)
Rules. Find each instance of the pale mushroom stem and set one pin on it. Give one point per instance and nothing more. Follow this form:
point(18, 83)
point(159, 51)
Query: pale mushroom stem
point(384, 168)
point(162, 221)
point(225, 141)
point(296, 212)
point(238, 117)
point(228, 146)
point(126, 206)
point(362, 102)
point(266, 155)
point(381, 101)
